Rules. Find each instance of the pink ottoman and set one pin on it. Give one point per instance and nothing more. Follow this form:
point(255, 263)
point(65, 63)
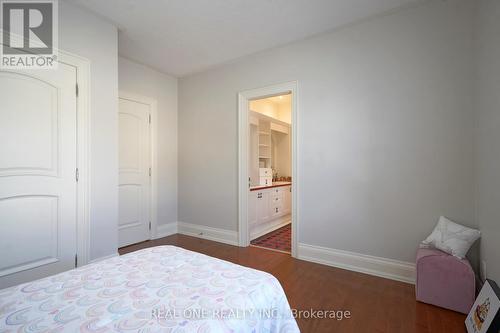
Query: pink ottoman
point(445, 280)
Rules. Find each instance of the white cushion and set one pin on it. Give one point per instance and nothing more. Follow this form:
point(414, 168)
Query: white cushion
point(452, 238)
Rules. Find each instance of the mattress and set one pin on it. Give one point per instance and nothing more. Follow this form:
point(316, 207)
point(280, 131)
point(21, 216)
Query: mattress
point(158, 289)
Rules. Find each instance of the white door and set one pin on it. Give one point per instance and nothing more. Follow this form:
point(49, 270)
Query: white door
point(37, 173)
point(134, 172)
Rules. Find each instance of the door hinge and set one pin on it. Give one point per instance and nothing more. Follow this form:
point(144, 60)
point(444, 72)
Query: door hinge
point(77, 175)
point(149, 225)
point(150, 172)
point(150, 118)
point(76, 260)
point(76, 90)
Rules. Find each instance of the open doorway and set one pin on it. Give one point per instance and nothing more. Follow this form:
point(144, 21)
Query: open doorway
point(270, 177)
point(267, 169)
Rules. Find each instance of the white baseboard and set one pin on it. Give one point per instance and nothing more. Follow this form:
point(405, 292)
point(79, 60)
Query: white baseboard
point(103, 258)
point(383, 267)
point(265, 230)
point(164, 230)
point(214, 234)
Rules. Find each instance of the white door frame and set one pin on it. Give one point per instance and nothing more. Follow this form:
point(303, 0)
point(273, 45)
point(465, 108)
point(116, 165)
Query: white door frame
point(243, 123)
point(82, 66)
point(153, 141)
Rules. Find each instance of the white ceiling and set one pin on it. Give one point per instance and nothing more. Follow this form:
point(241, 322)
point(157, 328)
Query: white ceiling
point(180, 37)
point(283, 99)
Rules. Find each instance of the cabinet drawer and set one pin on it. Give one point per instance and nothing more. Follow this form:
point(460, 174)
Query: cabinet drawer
point(277, 192)
point(265, 172)
point(275, 204)
point(276, 210)
point(266, 181)
point(276, 198)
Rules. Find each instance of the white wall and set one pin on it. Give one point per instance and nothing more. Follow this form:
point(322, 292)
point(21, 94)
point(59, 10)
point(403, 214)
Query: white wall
point(264, 106)
point(488, 135)
point(281, 110)
point(86, 35)
point(385, 135)
point(285, 109)
point(141, 80)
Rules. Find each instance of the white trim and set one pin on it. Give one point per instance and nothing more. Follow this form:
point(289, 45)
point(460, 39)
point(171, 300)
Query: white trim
point(164, 230)
point(218, 235)
point(382, 267)
point(243, 98)
point(82, 66)
point(153, 204)
point(261, 232)
point(116, 254)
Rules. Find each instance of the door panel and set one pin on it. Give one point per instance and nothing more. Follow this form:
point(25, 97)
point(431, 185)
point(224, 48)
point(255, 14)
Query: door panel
point(42, 222)
point(37, 173)
point(130, 214)
point(134, 163)
point(39, 125)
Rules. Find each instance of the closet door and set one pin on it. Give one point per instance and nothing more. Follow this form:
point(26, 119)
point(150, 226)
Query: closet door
point(134, 172)
point(37, 173)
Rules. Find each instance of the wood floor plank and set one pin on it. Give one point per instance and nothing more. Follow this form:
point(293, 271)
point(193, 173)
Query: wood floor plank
point(375, 304)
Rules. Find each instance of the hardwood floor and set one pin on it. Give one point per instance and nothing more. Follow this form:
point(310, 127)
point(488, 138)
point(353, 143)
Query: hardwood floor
point(375, 304)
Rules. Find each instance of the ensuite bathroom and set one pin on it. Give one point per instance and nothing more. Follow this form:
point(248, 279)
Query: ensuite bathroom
point(270, 171)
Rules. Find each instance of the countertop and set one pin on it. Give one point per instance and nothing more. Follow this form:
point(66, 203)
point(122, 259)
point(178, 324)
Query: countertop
point(275, 184)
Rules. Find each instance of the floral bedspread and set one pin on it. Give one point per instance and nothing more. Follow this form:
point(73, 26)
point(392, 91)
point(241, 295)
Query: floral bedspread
point(158, 289)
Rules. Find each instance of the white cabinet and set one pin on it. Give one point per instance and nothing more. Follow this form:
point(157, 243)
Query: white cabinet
point(268, 146)
point(280, 127)
point(287, 200)
point(277, 202)
point(263, 211)
point(265, 181)
point(265, 172)
point(268, 209)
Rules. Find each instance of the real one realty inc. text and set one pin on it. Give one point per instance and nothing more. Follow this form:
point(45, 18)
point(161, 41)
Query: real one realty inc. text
point(243, 314)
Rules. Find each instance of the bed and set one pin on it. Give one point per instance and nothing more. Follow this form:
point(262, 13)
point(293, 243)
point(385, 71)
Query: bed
point(158, 289)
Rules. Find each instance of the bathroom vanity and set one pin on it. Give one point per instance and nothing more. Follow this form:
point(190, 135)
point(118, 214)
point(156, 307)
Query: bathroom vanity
point(269, 208)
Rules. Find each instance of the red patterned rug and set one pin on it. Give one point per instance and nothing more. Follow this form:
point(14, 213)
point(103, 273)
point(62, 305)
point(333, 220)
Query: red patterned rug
point(279, 239)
